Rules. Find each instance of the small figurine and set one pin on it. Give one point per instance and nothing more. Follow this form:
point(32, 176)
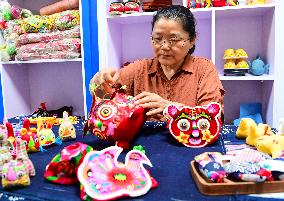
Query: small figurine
point(257, 67)
point(66, 129)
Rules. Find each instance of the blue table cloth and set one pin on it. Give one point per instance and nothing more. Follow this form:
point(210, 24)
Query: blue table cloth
point(170, 168)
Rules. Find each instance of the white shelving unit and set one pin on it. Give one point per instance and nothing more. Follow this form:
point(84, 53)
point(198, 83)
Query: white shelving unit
point(25, 84)
point(256, 29)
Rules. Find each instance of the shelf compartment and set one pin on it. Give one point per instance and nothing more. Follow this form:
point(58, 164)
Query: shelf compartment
point(248, 77)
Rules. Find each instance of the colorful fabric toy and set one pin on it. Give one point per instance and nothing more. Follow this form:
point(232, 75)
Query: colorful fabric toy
point(247, 171)
point(15, 173)
point(243, 130)
point(36, 23)
point(46, 135)
point(66, 129)
point(275, 166)
point(63, 167)
point(194, 126)
point(117, 119)
point(102, 177)
point(211, 166)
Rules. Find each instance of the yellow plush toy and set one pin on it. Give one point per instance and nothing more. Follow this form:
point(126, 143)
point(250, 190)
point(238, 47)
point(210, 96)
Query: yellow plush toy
point(272, 145)
point(257, 131)
point(254, 2)
point(244, 128)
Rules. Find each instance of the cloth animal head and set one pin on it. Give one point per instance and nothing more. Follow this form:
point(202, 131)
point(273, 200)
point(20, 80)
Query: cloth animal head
point(194, 126)
point(66, 129)
point(116, 119)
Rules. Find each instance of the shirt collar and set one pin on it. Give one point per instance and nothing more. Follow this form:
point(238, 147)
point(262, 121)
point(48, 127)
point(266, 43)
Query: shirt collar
point(187, 65)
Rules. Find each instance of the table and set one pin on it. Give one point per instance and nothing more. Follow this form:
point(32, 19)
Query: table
point(170, 168)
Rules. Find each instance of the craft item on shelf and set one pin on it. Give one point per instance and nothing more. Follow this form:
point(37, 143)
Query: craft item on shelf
point(4, 56)
point(66, 129)
point(30, 137)
point(199, 3)
point(6, 14)
point(258, 67)
point(16, 12)
point(219, 3)
point(275, 166)
point(281, 127)
point(54, 55)
point(116, 8)
point(11, 48)
point(64, 166)
point(230, 64)
point(67, 44)
point(242, 64)
point(155, 5)
point(194, 126)
point(243, 129)
point(117, 119)
point(131, 7)
point(5, 154)
point(247, 171)
point(46, 135)
point(47, 37)
point(65, 20)
point(26, 13)
point(234, 62)
point(211, 166)
point(59, 7)
point(255, 2)
point(242, 2)
point(36, 23)
point(114, 179)
point(13, 27)
point(232, 2)
point(59, 112)
point(15, 174)
point(41, 111)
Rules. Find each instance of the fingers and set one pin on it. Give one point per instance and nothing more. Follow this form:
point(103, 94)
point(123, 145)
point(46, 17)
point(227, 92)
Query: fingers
point(142, 95)
point(154, 111)
point(111, 76)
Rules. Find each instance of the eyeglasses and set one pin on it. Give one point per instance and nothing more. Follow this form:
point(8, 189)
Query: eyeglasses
point(171, 42)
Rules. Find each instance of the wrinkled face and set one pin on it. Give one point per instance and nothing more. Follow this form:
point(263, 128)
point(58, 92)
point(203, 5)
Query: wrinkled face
point(170, 42)
point(194, 127)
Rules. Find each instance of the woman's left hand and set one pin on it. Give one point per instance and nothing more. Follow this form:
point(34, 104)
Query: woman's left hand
point(152, 101)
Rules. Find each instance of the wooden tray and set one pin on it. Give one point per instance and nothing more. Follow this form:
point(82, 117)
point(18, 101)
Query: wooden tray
point(230, 187)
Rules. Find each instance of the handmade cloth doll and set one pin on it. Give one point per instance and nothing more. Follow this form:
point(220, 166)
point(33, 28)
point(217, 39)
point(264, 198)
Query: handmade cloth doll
point(102, 177)
point(117, 119)
point(63, 167)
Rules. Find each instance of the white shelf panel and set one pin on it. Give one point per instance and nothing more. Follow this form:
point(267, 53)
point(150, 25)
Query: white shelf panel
point(247, 77)
point(42, 61)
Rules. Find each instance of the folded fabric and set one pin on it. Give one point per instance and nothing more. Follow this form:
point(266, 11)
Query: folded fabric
point(67, 44)
point(24, 56)
point(63, 167)
point(65, 20)
point(210, 165)
point(36, 23)
point(246, 171)
point(46, 37)
point(275, 166)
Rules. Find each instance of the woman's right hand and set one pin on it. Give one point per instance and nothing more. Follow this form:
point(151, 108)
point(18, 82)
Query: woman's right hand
point(106, 78)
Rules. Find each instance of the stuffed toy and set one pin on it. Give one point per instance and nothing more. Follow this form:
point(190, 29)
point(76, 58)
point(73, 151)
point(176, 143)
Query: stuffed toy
point(66, 129)
point(15, 173)
point(63, 167)
point(258, 67)
point(102, 177)
point(117, 119)
point(194, 126)
point(243, 129)
point(275, 166)
point(257, 131)
point(271, 144)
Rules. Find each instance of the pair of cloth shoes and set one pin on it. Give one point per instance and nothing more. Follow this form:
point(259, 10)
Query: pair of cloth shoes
point(118, 8)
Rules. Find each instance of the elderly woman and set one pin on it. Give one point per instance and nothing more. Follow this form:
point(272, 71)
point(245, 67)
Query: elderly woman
point(173, 75)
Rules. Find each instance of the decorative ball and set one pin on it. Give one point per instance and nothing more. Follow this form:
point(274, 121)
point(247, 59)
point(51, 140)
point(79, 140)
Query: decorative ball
point(3, 24)
point(11, 49)
point(16, 12)
point(6, 14)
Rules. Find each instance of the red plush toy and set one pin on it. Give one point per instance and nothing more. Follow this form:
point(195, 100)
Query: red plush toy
point(219, 3)
point(116, 119)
